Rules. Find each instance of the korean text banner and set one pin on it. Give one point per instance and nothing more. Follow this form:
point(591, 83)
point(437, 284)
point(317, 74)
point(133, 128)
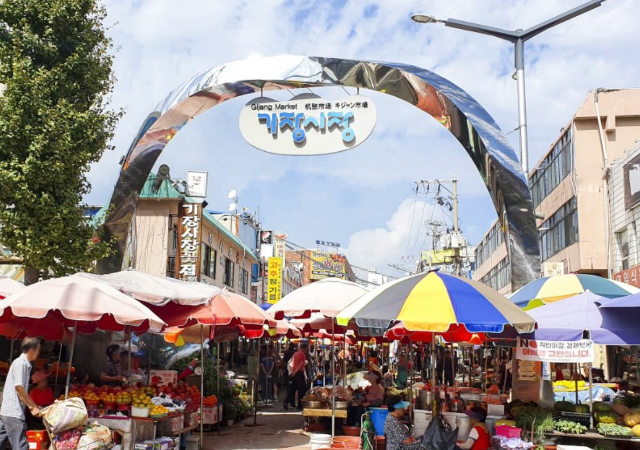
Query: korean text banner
point(555, 352)
point(274, 279)
point(327, 265)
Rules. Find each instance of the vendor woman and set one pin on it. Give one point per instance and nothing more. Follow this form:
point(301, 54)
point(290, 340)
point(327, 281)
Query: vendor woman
point(479, 437)
point(111, 374)
point(373, 398)
point(396, 432)
point(41, 394)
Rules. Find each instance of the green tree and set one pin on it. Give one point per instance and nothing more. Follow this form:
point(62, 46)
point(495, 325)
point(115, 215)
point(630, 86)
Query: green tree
point(55, 121)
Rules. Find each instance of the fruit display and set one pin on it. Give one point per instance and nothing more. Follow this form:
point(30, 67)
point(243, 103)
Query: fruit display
point(123, 398)
point(568, 427)
point(612, 430)
point(628, 399)
point(141, 400)
point(632, 419)
point(564, 406)
point(606, 417)
point(211, 400)
point(158, 411)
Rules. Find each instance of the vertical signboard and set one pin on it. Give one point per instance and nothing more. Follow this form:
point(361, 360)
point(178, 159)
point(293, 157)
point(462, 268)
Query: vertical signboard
point(274, 272)
point(279, 240)
point(188, 254)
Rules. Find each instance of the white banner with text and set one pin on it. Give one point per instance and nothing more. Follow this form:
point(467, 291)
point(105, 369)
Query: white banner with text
point(555, 352)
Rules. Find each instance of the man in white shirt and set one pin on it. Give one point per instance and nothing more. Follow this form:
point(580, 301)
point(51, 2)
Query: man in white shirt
point(13, 426)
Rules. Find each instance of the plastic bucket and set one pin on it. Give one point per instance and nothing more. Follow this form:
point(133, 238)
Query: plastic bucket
point(319, 441)
point(378, 416)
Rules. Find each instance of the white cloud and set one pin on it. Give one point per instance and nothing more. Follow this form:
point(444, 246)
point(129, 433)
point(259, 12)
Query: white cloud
point(161, 43)
point(403, 235)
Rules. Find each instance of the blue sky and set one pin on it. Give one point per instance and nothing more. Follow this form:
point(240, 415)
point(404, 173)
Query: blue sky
point(363, 198)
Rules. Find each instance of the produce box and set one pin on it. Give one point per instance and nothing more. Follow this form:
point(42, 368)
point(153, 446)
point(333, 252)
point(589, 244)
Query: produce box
point(160, 444)
point(581, 418)
point(191, 419)
point(38, 440)
point(210, 415)
point(171, 424)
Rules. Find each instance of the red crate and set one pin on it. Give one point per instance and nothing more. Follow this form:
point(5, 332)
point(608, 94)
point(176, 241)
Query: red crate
point(38, 439)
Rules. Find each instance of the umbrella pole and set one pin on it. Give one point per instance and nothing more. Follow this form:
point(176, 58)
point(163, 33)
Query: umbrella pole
point(201, 384)
point(433, 376)
point(590, 395)
point(486, 368)
point(129, 352)
point(575, 377)
point(411, 374)
point(73, 347)
point(59, 358)
point(218, 386)
point(333, 381)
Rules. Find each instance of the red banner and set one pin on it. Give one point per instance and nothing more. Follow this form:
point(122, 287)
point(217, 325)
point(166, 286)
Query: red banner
point(629, 276)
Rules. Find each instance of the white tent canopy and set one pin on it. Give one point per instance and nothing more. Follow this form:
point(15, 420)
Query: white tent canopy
point(158, 290)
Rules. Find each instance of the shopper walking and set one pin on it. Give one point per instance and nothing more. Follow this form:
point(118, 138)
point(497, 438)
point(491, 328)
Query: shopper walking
point(13, 426)
point(298, 377)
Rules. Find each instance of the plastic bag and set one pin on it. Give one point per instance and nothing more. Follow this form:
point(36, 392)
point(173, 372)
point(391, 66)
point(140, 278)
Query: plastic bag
point(65, 415)
point(439, 435)
point(96, 437)
point(67, 440)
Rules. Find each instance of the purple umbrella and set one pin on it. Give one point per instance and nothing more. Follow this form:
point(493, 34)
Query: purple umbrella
point(586, 316)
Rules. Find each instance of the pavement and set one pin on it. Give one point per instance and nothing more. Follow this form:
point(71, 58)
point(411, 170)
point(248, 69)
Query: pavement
point(277, 429)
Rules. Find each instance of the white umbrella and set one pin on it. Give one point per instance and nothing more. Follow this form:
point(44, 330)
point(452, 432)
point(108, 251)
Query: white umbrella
point(8, 286)
point(327, 297)
point(158, 290)
point(77, 301)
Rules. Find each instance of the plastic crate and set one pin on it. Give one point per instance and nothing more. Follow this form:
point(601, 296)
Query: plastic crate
point(583, 419)
point(508, 432)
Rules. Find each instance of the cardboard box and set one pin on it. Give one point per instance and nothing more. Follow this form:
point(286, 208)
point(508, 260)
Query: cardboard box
point(163, 377)
point(210, 415)
point(171, 424)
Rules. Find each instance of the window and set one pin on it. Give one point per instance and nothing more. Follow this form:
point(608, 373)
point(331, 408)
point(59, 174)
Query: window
point(243, 282)
point(209, 257)
point(499, 276)
point(229, 268)
point(491, 242)
point(623, 245)
point(560, 230)
point(171, 267)
point(552, 170)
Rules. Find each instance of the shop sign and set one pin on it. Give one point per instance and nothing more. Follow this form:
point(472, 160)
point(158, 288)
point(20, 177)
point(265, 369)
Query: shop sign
point(163, 377)
point(438, 257)
point(555, 352)
point(279, 246)
point(188, 255)
point(197, 183)
point(274, 272)
point(327, 265)
point(308, 126)
point(631, 176)
point(629, 276)
point(528, 370)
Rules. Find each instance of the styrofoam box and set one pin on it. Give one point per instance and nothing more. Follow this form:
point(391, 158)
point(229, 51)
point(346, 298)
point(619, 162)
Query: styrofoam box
point(495, 410)
point(573, 447)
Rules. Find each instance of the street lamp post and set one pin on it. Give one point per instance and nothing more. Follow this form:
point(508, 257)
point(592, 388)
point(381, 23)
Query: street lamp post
point(518, 38)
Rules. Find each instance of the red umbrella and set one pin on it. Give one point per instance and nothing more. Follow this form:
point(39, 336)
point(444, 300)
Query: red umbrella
point(456, 333)
point(225, 310)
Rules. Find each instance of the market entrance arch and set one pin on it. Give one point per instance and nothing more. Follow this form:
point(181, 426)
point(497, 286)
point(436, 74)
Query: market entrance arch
point(451, 106)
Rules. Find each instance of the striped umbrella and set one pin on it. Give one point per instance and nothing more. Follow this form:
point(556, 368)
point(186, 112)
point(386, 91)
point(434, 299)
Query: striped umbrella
point(436, 302)
point(559, 287)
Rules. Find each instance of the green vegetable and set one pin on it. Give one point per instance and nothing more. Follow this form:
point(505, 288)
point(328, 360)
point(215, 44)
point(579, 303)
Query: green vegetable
point(568, 427)
point(611, 430)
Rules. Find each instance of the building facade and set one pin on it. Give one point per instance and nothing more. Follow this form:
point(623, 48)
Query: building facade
point(569, 188)
point(625, 216)
point(162, 234)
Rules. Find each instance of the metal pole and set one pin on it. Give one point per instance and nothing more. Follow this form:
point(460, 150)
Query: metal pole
point(590, 395)
point(129, 353)
point(434, 401)
point(218, 385)
point(73, 347)
point(522, 107)
point(201, 384)
point(333, 381)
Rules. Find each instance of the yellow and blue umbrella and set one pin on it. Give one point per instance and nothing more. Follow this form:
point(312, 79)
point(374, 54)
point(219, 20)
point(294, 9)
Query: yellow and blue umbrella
point(558, 287)
point(436, 302)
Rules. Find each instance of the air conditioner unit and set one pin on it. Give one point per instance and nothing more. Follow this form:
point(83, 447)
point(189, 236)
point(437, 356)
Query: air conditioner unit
point(550, 269)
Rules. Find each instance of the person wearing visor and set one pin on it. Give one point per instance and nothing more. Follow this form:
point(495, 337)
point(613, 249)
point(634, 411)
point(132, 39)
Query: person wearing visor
point(479, 437)
point(396, 432)
point(111, 373)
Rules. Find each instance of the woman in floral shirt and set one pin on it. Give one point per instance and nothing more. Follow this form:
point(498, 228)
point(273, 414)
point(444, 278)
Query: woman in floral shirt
point(397, 433)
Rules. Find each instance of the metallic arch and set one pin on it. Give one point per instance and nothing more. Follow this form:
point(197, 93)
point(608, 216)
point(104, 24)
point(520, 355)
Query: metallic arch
point(456, 110)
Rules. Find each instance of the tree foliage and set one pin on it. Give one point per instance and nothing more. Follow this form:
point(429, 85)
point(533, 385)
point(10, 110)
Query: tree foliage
point(55, 121)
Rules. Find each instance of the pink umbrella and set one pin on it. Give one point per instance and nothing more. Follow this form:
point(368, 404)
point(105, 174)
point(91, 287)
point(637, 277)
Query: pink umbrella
point(9, 286)
point(85, 304)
